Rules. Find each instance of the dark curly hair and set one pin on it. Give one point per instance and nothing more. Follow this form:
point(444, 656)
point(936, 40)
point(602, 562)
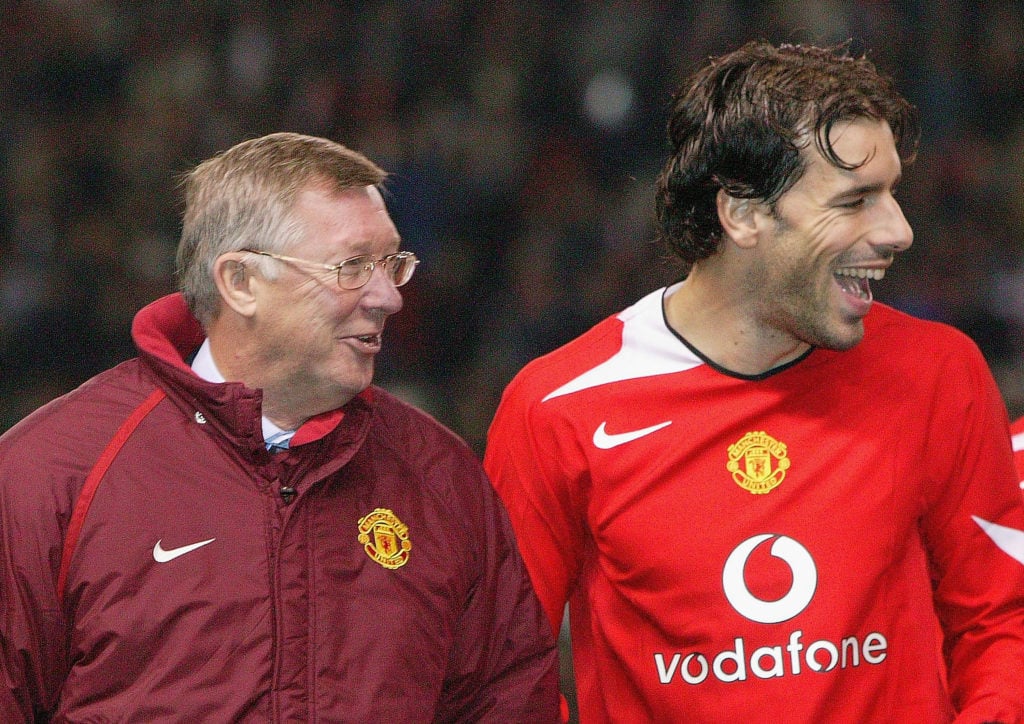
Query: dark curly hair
point(742, 120)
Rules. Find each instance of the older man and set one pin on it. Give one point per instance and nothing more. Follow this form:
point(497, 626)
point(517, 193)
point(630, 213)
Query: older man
point(236, 526)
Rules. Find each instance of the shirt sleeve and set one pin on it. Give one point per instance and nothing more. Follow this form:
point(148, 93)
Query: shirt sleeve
point(535, 465)
point(31, 621)
point(973, 529)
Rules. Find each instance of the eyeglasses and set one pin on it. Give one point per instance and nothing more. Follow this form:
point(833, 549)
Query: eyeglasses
point(355, 272)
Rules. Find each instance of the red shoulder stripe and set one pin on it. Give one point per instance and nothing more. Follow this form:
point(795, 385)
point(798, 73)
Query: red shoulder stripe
point(92, 482)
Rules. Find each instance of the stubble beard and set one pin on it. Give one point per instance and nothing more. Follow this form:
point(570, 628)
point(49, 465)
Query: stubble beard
point(807, 311)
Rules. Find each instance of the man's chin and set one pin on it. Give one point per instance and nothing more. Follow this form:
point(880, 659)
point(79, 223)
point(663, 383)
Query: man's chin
point(356, 384)
point(845, 337)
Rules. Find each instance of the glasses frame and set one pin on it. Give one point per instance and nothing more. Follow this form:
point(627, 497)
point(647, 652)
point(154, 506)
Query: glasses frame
point(371, 262)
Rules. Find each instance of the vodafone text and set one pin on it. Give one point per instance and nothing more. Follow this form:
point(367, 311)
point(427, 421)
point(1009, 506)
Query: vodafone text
point(768, 662)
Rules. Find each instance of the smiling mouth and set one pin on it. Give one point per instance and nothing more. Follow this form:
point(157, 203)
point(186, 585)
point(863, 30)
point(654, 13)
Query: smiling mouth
point(856, 281)
point(367, 343)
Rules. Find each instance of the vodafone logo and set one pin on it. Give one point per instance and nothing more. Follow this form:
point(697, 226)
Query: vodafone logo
point(805, 580)
point(786, 655)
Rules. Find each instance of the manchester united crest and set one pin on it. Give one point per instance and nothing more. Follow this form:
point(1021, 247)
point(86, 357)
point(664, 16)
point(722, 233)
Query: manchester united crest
point(385, 538)
point(758, 462)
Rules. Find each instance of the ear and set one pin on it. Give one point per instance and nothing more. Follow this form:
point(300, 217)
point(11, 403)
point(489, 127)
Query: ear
point(235, 283)
point(738, 218)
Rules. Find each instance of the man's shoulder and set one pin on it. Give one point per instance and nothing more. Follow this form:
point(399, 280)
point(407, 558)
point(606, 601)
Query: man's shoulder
point(541, 375)
point(886, 323)
point(45, 458)
point(601, 343)
point(88, 412)
point(918, 354)
point(399, 419)
point(900, 337)
point(421, 456)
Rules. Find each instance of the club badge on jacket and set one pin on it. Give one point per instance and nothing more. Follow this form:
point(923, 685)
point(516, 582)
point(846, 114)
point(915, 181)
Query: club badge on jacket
point(385, 538)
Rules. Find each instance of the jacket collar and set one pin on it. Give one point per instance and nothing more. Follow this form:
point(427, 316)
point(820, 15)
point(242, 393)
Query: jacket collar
point(166, 335)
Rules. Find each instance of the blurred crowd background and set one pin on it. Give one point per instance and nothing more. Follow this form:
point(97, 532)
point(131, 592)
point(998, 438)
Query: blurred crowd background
point(523, 138)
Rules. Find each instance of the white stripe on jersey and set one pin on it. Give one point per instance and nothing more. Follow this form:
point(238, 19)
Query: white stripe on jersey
point(1009, 540)
point(648, 348)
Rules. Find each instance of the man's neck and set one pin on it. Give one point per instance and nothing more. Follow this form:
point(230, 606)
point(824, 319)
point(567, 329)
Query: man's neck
point(721, 323)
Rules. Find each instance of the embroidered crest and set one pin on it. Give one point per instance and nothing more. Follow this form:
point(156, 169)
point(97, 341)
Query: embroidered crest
point(758, 462)
point(385, 538)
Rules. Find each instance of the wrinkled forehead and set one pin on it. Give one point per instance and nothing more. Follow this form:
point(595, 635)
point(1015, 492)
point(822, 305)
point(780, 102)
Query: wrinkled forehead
point(864, 154)
point(353, 219)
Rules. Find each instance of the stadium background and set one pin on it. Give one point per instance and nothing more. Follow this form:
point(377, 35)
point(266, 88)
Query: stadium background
point(523, 138)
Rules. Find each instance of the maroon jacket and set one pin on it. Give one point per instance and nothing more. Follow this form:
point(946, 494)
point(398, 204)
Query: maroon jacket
point(386, 587)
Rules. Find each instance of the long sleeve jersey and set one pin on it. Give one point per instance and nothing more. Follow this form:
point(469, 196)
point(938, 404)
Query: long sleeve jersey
point(839, 540)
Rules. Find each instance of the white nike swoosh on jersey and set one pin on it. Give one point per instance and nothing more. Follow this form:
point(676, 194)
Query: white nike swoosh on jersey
point(1018, 441)
point(1009, 540)
point(607, 441)
point(162, 556)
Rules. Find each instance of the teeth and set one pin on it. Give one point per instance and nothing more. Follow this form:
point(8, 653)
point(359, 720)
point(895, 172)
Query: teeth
point(861, 273)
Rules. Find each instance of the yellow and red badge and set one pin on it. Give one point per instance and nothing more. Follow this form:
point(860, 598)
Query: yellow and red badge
point(758, 462)
point(385, 538)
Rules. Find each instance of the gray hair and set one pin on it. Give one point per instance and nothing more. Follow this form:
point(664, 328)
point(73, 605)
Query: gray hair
point(243, 197)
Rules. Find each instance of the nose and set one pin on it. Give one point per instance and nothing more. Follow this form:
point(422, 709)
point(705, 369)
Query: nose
point(380, 293)
point(894, 230)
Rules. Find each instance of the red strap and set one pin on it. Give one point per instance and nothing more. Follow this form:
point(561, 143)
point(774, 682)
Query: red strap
point(92, 482)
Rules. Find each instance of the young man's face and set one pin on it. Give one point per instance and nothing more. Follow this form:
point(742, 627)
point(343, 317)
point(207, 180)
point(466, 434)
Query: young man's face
point(831, 234)
point(319, 341)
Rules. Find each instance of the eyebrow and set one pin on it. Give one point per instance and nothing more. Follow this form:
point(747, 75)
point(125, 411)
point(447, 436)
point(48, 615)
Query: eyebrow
point(365, 247)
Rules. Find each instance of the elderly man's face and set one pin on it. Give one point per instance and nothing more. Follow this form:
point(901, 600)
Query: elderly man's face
point(318, 341)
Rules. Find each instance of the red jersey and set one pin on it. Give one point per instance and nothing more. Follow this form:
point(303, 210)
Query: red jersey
point(778, 547)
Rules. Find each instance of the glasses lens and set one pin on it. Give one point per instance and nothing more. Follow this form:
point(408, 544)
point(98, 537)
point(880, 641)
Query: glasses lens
point(400, 267)
point(354, 273)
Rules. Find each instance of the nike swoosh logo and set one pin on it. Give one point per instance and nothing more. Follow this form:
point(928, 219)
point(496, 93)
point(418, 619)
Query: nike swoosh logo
point(607, 441)
point(1009, 540)
point(162, 556)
